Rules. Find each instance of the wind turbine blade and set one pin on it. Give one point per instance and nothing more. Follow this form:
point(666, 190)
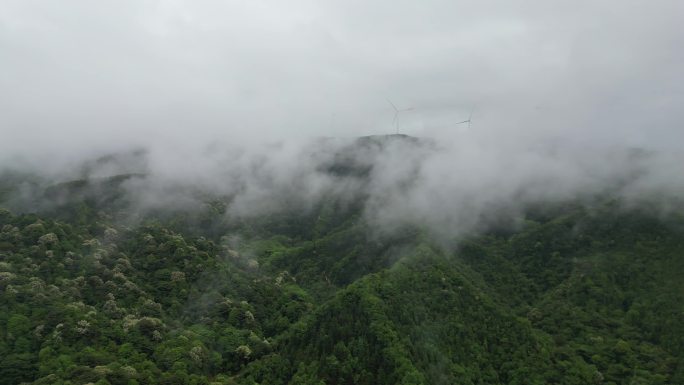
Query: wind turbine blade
point(392, 104)
point(396, 116)
point(465, 121)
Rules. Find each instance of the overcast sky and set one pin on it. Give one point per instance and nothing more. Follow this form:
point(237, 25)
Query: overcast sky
point(93, 74)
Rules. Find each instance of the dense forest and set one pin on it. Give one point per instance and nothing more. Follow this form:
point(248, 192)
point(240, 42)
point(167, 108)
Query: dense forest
point(572, 292)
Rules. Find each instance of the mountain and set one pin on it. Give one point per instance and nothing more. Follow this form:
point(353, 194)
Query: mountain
point(96, 288)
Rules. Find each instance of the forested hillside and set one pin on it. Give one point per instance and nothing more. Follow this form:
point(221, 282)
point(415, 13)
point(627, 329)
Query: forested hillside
point(572, 292)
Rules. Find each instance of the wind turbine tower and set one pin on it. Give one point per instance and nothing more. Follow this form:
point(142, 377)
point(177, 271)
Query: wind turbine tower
point(397, 111)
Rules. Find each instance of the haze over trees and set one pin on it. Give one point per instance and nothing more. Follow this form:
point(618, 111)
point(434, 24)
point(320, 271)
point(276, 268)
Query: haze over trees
point(99, 288)
point(341, 192)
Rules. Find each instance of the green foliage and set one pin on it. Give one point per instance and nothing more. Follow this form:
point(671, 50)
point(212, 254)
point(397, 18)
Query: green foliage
point(575, 296)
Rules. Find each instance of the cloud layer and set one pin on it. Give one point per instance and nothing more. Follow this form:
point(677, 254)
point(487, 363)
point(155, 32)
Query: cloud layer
point(83, 74)
point(559, 93)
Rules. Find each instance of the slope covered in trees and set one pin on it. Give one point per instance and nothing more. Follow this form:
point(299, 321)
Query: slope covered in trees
point(574, 293)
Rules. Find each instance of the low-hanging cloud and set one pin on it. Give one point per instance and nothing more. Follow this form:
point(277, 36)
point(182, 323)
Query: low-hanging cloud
point(561, 96)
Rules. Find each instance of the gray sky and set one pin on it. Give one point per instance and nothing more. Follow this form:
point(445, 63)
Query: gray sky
point(85, 74)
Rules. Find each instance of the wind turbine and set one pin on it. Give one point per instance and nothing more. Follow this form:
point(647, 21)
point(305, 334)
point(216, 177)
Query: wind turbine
point(395, 121)
point(469, 120)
